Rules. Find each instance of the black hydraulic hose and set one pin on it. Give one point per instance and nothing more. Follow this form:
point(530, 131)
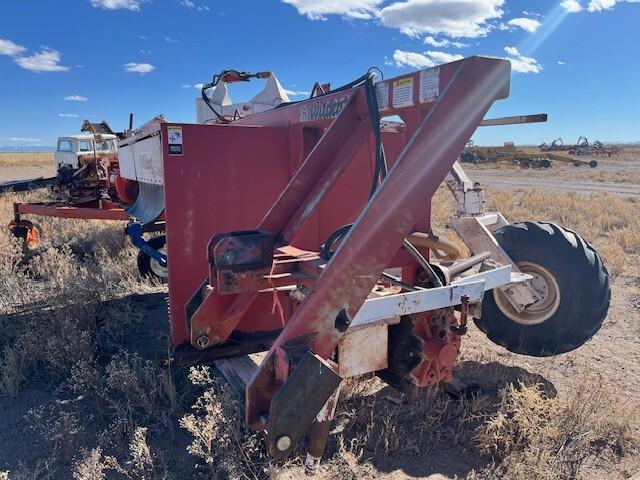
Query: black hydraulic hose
point(379, 174)
point(207, 101)
point(400, 283)
point(325, 249)
point(422, 262)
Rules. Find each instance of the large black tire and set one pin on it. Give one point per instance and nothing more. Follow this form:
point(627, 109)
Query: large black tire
point(574, 314)
point(149, 267)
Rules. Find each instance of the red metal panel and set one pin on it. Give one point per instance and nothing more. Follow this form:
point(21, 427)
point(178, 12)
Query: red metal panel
point(340, 203)
point(226, 179)
point(293, 208)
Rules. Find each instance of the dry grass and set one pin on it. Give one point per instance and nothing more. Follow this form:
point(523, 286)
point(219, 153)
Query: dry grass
point(609, 222)
point(26, 159)
point(537, 437)
point(67, 321)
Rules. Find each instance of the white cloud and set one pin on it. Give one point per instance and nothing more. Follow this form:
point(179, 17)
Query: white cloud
point(76, 98)
point(193, 5)
point(560, 62)
point(68, 115)
point(443, 57)
point(454, 18)
point(520, 63)
point(571, 6)
point(296, 93)
point(423, 60)
point(320, 9)
point(21, 139)
point(7, 47)
point(434, 42)
point(411, 59)
point(186, 86)
point(529, 24)
point(599, 5)
point(141, 68)
point(133, 5)
point(198, 86)
point(46, 60)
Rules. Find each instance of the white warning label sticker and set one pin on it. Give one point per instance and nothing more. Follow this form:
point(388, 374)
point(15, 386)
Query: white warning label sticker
point(403, 92)
point(429, 85)
point(382, 94)
point(174, 135)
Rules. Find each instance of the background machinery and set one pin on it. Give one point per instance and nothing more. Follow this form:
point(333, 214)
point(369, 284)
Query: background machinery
point(303, 231)
point(87, 184)
point(509, 153)
point(582, 147)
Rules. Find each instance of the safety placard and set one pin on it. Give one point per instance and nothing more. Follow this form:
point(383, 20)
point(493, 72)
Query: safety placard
point(382, 94)
point(403, 92)
point(174, 137)
point(429, 85)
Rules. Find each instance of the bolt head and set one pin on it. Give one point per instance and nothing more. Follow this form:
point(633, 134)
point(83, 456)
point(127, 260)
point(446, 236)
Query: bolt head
point(203, 341)
point(283, 443)
point(229, 257)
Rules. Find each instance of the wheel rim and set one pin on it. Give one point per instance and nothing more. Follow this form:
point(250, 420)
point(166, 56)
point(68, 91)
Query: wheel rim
point(157, 269)
point(545, 284)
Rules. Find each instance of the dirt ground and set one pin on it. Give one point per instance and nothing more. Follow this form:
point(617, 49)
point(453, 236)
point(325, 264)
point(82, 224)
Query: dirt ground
point(82, 396)
point(17, 166)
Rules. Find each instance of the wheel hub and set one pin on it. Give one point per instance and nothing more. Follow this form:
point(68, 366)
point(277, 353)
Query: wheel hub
point(157, 269)
point(545, 284)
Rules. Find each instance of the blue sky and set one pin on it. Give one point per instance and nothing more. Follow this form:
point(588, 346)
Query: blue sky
point(63, 61)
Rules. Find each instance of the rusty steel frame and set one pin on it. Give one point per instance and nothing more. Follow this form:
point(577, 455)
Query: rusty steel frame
point(435, 133)
point(294, 206)
point(343, 286)
point(93, 210)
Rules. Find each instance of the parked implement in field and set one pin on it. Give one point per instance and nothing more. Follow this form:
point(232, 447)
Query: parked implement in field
point(304, 231)
point(87, 177)
point(510, 154)
point(582, 147)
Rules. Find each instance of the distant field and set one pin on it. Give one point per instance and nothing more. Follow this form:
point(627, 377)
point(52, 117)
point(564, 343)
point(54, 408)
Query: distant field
point(19, 165)
point(25, 159)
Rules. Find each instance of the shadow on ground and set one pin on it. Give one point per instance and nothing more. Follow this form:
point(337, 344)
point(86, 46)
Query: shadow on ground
point(431, 432)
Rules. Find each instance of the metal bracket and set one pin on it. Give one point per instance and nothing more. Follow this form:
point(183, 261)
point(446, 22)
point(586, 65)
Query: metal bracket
point(298, 401)
point(469, 196)
point(479, 239)
point(134, 231)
